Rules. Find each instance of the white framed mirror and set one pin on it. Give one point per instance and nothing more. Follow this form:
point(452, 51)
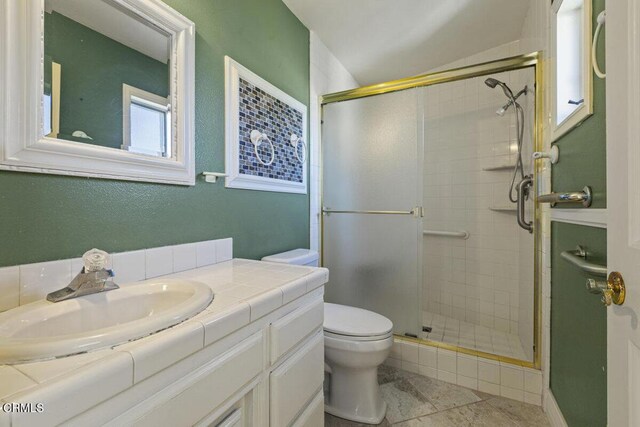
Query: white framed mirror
point(98, 88)
point(571, 77)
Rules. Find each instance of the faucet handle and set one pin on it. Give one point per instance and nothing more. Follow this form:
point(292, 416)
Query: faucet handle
point(95, 259)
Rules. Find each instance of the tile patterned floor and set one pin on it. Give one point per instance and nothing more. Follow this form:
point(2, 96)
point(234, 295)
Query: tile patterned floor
point(456, 332)
point(417, 401)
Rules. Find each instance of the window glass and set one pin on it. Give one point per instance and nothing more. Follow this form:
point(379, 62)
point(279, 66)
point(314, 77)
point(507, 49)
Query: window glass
point(569, 59)
point(148, 129)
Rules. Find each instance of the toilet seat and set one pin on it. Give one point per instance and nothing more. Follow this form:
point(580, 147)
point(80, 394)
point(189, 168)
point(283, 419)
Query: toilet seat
point(355, 324)
point(330, 334)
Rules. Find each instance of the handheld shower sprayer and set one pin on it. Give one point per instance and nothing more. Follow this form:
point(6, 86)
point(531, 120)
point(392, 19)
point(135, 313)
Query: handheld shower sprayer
point(519, 113)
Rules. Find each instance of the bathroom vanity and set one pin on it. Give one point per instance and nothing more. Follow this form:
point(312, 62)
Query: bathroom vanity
point(253, 357)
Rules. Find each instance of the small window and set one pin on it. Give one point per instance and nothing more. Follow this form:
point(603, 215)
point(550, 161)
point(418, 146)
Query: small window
point(572, 82)
point(147, 119)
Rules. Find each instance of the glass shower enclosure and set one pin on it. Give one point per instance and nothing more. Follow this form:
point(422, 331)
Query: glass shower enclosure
point(372, 205)
point(417, 224)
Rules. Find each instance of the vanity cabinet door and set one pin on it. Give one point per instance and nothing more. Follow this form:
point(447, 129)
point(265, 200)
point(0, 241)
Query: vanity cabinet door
point(295, 383)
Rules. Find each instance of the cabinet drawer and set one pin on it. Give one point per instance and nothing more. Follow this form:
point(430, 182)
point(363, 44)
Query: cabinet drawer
point(294, 327)
point(297, 381)
point(313, 416)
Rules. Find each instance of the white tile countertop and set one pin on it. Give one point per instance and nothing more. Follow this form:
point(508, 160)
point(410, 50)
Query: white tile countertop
point(245, 290)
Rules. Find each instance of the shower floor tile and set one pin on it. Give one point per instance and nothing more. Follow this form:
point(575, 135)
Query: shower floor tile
point(468, 335)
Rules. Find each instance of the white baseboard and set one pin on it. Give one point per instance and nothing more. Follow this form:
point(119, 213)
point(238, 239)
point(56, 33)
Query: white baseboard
point(552, 410)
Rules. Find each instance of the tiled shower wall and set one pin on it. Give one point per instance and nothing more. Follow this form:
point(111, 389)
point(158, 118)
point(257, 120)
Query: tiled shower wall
point(475, 280)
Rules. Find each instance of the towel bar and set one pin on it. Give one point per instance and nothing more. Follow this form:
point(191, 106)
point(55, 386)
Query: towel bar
point(461, 234)
point(578, 257)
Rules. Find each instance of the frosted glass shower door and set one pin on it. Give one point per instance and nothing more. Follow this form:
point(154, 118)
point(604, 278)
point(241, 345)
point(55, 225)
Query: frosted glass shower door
point(372, 155)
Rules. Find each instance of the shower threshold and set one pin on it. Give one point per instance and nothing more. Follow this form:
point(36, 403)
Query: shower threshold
point(448, 330)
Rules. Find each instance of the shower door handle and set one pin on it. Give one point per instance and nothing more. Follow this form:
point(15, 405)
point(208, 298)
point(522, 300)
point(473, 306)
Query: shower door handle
point(523, 187)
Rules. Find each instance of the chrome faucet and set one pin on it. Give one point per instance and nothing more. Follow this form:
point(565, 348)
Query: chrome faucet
point(85, 283)
point(92, 279)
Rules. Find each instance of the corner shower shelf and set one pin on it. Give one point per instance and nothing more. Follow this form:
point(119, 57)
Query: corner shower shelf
point(498, 168)
point(502, 208)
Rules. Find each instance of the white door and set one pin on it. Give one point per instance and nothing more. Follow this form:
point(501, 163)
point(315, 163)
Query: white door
point(623, 206)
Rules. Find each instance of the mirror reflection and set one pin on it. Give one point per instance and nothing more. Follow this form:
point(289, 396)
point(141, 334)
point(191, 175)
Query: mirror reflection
point(106, 78)
point(569, 70)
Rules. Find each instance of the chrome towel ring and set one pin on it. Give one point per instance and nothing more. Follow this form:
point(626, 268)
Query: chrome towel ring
point(257, 138)
point(295, 140)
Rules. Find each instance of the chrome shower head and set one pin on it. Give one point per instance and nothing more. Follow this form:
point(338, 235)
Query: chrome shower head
point(492, 83)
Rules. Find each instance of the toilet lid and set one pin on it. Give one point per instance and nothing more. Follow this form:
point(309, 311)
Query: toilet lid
point(355, 322)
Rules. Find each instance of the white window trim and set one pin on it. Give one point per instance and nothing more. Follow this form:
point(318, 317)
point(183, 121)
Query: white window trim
point(233, 72)
point(151, 100)
point(585, 110)
point(24, 148)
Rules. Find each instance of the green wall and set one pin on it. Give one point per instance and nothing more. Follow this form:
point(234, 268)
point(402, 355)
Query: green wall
point(94, 67)
point(578, 376)
point(46, 217)
point(583, 150)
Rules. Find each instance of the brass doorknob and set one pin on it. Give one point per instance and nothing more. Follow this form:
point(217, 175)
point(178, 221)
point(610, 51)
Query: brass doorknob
point(615, 291)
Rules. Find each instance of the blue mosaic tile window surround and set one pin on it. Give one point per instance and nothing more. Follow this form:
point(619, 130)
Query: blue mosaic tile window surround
point(265, 113)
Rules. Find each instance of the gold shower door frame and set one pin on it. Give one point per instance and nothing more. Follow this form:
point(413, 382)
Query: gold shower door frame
point(507, 64)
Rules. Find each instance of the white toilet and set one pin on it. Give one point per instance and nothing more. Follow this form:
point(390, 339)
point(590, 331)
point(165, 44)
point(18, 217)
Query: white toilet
point(356, 342)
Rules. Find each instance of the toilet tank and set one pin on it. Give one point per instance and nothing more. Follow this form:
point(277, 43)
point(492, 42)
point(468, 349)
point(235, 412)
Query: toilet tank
point(296, 257)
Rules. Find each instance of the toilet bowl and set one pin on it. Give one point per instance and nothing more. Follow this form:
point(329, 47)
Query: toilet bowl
point(356, 342)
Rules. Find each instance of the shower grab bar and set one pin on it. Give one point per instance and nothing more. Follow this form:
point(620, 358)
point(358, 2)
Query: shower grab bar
point(462, 234)
point(523, 191)
point(585, 197)
point(578, 257)
point(417, 211)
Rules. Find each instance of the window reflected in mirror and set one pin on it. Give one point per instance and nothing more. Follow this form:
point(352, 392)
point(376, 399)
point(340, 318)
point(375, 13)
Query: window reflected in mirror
point(570, 73)
point(106, 78)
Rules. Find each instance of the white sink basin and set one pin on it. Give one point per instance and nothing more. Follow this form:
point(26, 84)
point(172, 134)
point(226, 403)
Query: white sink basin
point(44, 330)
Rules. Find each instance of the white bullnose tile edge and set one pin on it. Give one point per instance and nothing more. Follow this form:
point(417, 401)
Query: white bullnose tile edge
point(220, 324)
point(112, 375)
point(265, 303)
point(163, 350)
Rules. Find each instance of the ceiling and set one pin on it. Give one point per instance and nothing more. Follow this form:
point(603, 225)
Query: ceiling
point(380, 40)
point(116, 24)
